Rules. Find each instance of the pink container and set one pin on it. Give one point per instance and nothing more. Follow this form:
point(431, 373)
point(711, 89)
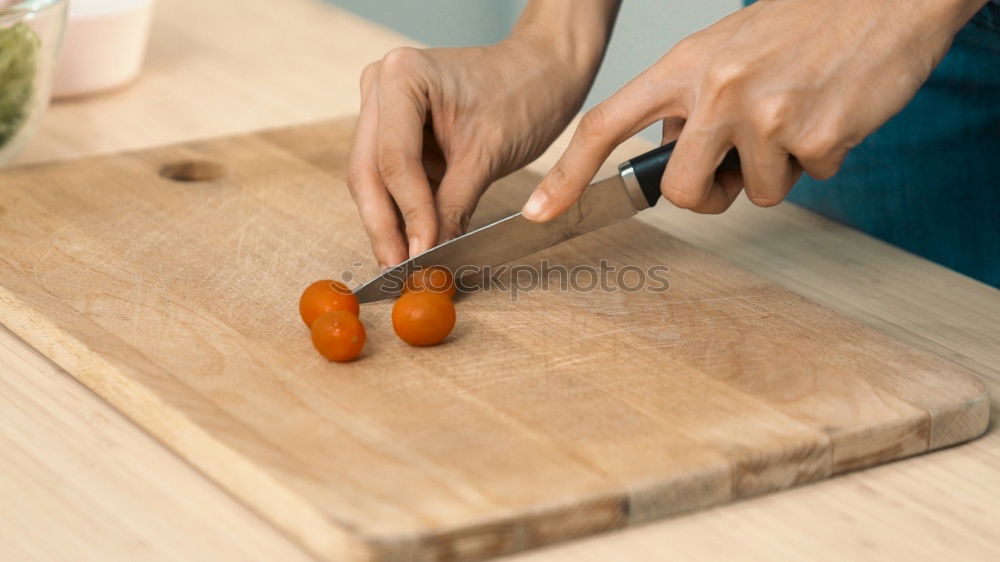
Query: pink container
point(104, 45)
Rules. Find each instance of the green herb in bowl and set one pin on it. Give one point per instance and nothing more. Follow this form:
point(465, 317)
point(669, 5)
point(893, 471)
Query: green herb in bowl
point(18, 54)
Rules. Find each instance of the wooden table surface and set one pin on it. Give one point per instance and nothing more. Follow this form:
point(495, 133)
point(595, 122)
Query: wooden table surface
point(79, 481)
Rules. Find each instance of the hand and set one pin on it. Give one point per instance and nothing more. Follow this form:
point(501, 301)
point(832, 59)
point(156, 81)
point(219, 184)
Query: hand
point(792, 84)
point(437, 126)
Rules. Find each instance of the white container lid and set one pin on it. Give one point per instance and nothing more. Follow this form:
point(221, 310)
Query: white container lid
point(103, 47)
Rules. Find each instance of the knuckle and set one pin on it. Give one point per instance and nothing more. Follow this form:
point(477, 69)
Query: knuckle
point(773, 114)
point(683, 198)
point(558, 178)
point(369, 74)
point(456, 216)
point(823, 171)
point(413, 217)
point(721, 78)
point(594, 124)
point(820, 144)
point(391, 164)
point(765, 191)
point(689, 52)
point(821, 152)
point(402, 58)
point(826, 169)
point(493, 136)
point(686, 46)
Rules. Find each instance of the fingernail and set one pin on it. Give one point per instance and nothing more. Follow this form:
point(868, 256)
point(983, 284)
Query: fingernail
point(415, 246)
point(535, 205)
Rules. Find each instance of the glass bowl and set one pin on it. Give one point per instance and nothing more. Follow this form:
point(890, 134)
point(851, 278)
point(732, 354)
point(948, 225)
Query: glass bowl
point(30, 34)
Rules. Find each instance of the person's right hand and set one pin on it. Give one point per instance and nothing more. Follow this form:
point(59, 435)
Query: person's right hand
point(437, 126)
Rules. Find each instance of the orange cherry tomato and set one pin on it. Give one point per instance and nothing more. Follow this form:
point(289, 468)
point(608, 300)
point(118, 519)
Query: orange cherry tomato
point(436, 279)
point(423, 317)
point(324, 296)
point(338, 335)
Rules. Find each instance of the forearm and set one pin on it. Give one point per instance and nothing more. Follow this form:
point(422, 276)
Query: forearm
point(954, 13)
point(576, 30)
point(918, 23)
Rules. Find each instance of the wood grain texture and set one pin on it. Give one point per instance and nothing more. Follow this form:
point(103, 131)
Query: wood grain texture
point(94, 489)
point(176, 302)
point(194, 85)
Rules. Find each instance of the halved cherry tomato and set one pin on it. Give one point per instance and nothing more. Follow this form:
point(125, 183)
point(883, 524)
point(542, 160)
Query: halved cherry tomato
point(423, 317)
point(338, 335)
point(324, 296)
point(436, 279)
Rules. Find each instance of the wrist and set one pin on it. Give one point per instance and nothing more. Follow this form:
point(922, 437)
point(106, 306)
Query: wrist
point(948, 15)
point(581, 56)
point(575, 33)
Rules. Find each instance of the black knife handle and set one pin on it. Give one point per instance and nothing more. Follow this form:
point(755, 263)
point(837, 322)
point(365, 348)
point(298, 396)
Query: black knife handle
point(648, 168)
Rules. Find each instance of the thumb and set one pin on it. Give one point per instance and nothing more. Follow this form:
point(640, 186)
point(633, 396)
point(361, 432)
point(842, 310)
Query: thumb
point(602, 129)
point(456, 198)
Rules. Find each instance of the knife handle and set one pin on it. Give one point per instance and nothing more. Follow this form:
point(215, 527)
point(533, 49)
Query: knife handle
point(648, 168)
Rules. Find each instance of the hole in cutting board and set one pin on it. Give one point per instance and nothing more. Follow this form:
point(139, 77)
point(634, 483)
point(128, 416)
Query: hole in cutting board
point(192, 170)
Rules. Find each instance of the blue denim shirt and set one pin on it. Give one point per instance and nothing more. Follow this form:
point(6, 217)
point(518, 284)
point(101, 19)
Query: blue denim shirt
point(928, 180)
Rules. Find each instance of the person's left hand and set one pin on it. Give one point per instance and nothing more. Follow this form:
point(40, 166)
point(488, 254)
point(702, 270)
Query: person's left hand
point(792, 84)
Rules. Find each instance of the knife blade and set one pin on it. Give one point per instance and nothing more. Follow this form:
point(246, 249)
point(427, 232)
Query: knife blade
point(636, 187)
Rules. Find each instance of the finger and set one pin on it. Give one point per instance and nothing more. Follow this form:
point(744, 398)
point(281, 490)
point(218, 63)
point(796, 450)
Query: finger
point(402, 111)
point(769, 172)
point(602, 128)
point(727, 185)
point(672, 127)
point(820, 155)
point(377, 210)
point(689, 180)
point(725, 189)
point(463, 184)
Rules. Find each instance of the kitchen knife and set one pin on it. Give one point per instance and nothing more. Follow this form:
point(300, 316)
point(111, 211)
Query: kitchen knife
point(636, 187)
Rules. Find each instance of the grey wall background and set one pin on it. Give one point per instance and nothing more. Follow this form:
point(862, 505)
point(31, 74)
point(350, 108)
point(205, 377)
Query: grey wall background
point(646, 29)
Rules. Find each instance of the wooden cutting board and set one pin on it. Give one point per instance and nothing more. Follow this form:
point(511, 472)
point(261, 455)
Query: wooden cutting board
point(553, 415)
